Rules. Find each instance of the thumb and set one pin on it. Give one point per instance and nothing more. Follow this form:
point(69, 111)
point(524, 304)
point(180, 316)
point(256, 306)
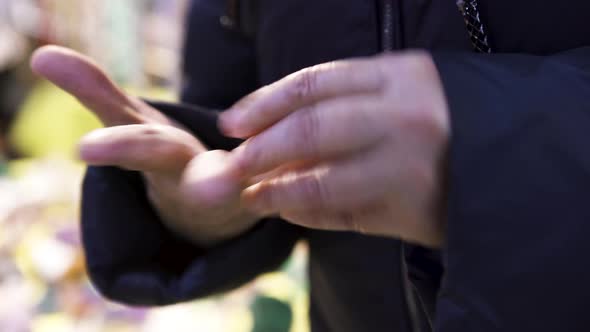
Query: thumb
point(208, 181)
point(81, 77)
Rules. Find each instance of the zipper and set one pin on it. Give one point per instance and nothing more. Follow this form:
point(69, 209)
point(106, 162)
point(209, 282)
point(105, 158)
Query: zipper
point(391, 25)
point(387, 25)
point(391, 39)
point(415, 325)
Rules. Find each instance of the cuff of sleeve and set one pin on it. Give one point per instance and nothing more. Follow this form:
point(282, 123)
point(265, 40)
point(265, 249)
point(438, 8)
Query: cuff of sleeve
point(132, 258)
point(518, 158)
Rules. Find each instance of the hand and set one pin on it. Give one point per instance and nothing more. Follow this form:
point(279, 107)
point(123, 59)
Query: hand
point(363, 141)
point(139, 137)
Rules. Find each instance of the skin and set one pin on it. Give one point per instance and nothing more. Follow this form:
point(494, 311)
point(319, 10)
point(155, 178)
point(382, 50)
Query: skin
point(372, 134)
point(357, 145)
point(207, 212)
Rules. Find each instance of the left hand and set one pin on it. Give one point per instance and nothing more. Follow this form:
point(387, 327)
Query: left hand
point(139, 137)
point(360, 145)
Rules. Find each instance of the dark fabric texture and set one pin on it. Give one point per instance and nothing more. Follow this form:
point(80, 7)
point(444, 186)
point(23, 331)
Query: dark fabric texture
point(132, 258)
point(348, 274)
point(518, 210)
point(518, 171)
point(219, 65)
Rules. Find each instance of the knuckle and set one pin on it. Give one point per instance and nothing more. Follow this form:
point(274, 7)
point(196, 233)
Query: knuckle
point(414, 118)
point(422, 122)
point(416, 60)
point(304, 84)
point(313, 192)
point(150, 130)
point(164, 149)
point(414, 63)
point(306, 131)
point(164, 144)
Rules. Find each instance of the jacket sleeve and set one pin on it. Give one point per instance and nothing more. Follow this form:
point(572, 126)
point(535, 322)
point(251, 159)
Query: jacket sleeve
point(519, 177)
point(132, 258)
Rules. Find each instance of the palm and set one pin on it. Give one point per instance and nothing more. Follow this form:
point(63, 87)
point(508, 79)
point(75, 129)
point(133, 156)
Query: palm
point(135, 133)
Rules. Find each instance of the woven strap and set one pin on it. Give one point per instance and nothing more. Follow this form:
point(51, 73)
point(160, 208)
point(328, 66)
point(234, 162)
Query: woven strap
point(475, 28)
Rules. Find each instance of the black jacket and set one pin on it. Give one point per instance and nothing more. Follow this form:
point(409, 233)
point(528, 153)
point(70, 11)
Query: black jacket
point(519, 171)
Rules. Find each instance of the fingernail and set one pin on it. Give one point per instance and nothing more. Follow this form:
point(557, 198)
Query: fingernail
point(228, 121)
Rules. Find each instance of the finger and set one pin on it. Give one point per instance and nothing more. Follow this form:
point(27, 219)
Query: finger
point(81, 77)
point(372, 220)
point(348, 183)
point(359, 221)
point(268, 105)
point(326, 130)
point(148, 148)
point(208, 181)
point(279, 171)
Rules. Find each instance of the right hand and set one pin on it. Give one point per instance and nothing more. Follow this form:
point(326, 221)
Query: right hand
point(139, 137)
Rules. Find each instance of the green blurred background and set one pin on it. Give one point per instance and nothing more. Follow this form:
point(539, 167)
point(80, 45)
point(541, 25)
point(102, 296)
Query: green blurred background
point(43, 285)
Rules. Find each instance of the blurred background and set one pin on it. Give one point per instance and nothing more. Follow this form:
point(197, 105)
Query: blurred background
point(43, 286)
